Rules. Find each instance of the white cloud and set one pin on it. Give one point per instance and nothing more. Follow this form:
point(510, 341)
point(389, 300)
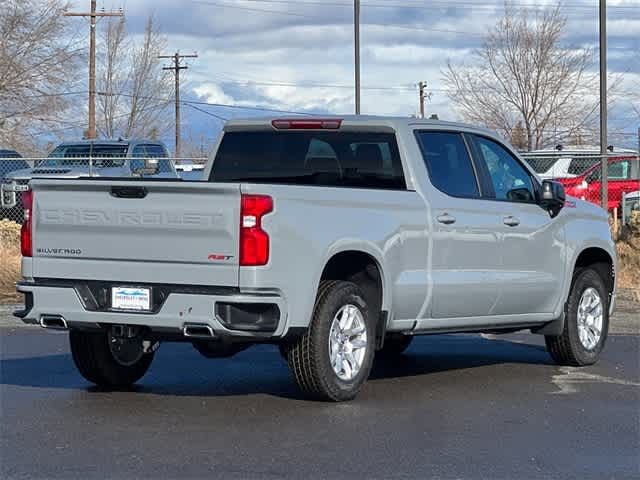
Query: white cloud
point(213, 94)
point(242, 50)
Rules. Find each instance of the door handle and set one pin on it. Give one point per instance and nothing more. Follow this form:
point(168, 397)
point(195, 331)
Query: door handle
point(511, 221)
point(446, 219)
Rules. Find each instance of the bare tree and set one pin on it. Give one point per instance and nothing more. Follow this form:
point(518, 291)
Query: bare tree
point(38, 53)
point(196, 147)
point(134, 92)
point(522, 74)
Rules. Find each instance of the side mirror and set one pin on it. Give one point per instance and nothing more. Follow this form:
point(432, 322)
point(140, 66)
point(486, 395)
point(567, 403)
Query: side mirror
point(552, 197)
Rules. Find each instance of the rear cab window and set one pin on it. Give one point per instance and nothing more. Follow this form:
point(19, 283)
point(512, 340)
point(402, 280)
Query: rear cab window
point(357, 159)
point(103, 155)
point(150, 150)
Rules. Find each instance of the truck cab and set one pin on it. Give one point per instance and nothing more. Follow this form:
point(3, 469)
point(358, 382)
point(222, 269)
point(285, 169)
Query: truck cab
point(91, 158)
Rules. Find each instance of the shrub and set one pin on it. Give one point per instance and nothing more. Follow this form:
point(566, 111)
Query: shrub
point(9, 259)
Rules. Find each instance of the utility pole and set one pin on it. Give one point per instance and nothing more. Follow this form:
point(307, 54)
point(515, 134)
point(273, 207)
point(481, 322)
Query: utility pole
point(356, 37)
point(421, 87)
point(177, 66)
point(93, 17)
point(603, 105)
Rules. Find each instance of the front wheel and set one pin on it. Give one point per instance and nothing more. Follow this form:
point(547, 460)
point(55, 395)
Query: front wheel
point(107, 360)
point(332, 360)
point(586, 322)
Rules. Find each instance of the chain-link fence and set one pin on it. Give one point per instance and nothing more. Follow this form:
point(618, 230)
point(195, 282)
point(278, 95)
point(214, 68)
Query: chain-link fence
point(15, 173)
point(581, 174)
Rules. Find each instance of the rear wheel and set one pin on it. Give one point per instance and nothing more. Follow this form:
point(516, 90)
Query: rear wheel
point(332, 360)
point(108, 359)
point(586, 323)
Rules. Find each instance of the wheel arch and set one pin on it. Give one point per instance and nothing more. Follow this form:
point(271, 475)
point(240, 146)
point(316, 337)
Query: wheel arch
point(605, 264)
point(359, 265)
point(602, 261)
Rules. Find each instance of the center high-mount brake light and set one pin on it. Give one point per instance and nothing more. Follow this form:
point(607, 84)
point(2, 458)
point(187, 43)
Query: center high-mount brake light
point(307, 124)
point(26, 231)
point(254, 241)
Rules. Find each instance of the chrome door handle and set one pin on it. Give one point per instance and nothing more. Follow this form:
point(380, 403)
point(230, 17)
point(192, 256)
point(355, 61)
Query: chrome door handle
point(446, 219)
point(511, 221)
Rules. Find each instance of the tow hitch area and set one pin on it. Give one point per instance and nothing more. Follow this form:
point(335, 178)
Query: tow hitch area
point(127, 344)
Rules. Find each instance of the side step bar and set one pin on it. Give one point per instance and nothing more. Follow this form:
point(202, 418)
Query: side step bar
point(53, 322)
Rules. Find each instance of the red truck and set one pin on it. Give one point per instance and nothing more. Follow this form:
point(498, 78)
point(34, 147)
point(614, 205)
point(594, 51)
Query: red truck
point(623, 176)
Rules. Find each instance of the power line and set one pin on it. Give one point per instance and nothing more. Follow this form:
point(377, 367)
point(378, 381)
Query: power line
point(430, 4)
point(206, 112)
point(312, 85)
point(223, 105)
point(278, 12)
point(419, 6)
point(240, 7)
point(79, 125)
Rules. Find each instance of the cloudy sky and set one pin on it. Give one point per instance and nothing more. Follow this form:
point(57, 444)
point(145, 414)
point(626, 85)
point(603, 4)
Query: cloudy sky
point(297, 55)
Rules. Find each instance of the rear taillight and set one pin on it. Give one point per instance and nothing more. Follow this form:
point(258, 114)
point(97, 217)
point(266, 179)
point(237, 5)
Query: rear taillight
point(254, 242)
point(26, 232)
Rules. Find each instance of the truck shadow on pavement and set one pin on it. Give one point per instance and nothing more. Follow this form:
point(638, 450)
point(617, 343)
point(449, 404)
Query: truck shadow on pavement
point(178, 370)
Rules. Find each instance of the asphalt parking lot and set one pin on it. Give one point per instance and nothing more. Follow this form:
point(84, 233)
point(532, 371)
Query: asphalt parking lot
point(460, 406)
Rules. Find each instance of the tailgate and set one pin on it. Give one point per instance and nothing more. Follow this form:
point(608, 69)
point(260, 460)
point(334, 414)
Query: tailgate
point(137, 231)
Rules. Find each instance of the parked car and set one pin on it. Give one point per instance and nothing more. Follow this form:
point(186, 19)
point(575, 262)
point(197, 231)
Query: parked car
point(94, 158)
point(337, 239)
point(10, 161)
point(566, 162)
point(623, 176)
point(190, 171)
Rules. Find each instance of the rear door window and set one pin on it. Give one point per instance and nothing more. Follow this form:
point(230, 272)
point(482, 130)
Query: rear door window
point(335, 159)
point(619, 170)
point(448, 162)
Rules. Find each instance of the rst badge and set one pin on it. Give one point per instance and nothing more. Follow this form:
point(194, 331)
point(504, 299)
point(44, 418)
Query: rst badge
point(215, 257)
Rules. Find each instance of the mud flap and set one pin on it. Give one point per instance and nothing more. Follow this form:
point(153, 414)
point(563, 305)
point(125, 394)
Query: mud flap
point(381, 329)
point(553, 328)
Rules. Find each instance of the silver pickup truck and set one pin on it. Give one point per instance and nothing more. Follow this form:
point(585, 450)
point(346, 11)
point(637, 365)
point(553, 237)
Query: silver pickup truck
point(335, 238)
point(88, 158)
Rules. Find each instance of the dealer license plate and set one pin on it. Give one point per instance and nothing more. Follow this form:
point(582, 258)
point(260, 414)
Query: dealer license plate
point(131, 298)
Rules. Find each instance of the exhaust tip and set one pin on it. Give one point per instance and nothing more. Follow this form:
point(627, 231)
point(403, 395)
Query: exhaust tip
point(53, 322)
point(199, 330)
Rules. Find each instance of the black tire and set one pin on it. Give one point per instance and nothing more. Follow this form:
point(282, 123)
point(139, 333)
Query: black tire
point(567, 349)
point(309, 357)
point(394, 345)
point(96, 363)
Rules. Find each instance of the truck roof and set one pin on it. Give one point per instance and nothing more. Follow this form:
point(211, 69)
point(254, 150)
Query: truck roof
point(99, 141)
point(353, 121)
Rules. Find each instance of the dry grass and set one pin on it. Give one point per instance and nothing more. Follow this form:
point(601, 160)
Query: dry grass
point(9, 259)
point(628, 246)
